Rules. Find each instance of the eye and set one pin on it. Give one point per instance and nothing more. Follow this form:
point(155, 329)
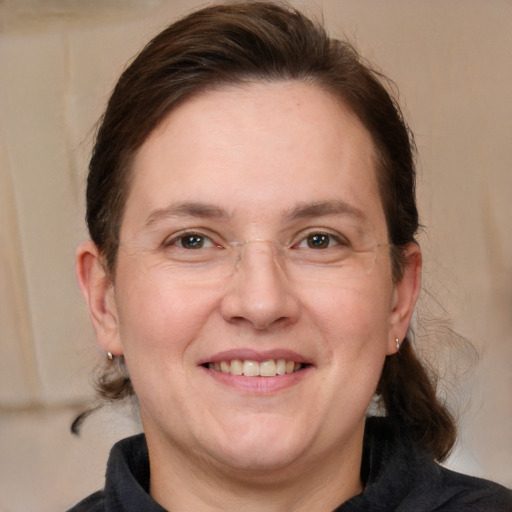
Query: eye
point(318, 241)
point(192, 241)
point(321, 240)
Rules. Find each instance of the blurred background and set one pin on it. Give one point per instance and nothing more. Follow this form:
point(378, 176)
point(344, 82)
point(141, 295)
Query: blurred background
point(58, 61)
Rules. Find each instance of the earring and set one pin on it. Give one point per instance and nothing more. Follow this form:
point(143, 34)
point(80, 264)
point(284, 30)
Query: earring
point(110, 356)
point(397, 344)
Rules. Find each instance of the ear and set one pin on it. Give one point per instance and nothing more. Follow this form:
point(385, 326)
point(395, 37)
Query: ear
point(405, 295)
point(98, 291)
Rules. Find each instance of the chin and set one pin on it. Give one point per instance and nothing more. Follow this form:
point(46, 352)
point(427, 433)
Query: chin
point(262, 464)
point(262, 447)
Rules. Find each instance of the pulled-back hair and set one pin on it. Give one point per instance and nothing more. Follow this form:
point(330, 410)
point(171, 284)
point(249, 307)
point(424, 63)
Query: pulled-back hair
point(240, 42)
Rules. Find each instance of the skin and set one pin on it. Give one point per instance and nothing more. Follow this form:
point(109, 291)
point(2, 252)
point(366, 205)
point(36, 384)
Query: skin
point(255, 153)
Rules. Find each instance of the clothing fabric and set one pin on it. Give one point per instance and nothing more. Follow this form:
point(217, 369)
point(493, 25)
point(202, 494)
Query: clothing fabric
point(399, 476)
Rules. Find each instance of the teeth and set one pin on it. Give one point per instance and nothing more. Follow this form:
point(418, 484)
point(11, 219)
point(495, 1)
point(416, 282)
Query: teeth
point(236, 367)
point(281, 367)
point(268, 368)
point(250, 368)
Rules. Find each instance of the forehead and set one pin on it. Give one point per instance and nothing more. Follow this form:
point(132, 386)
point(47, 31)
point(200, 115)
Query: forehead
point(255, 149)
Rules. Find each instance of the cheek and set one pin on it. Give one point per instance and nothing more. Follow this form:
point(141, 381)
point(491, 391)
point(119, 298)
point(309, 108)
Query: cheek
point(354, 326)
point(157, 316)
point(355, 311)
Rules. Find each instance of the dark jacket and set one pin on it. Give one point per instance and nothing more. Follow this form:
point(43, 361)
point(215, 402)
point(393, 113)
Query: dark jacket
point(398, 475)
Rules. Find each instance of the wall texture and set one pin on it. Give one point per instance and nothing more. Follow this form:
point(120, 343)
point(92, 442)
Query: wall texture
point(58, 61)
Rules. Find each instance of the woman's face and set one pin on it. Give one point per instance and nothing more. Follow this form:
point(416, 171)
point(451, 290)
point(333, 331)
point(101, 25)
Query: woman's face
point(256, 164)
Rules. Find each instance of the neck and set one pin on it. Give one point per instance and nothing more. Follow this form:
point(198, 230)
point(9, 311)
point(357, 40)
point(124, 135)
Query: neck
point(179, 483)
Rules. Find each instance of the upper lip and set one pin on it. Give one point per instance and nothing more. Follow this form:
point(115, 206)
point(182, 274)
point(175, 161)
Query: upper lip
point(259, 356)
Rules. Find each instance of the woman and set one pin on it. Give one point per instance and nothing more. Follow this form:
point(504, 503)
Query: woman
point(251, 277)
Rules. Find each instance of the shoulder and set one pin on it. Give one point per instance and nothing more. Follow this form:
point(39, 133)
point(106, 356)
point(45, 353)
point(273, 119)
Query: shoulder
point(126, 483)
point(402, 475)
point(93, 503)
point(459, 492)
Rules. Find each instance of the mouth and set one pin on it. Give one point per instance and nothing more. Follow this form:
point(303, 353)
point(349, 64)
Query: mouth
point(252, 368)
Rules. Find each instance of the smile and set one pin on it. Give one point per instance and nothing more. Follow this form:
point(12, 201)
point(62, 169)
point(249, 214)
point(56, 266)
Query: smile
point(250, 368)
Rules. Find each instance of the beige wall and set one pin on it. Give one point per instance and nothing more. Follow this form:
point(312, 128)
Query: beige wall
point(59, 59)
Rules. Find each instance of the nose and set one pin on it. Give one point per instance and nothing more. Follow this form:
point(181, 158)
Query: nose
point(259, 292)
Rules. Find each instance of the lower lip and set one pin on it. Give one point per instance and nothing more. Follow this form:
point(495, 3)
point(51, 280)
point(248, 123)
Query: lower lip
point(259, 385)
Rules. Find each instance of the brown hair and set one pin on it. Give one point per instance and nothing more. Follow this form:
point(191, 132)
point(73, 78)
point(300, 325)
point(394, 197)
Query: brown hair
point(264, 41)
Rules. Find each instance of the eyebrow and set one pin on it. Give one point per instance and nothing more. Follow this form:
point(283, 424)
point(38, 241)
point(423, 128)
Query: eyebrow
point(210, 211)
point(323, 208)
point(186, 209)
